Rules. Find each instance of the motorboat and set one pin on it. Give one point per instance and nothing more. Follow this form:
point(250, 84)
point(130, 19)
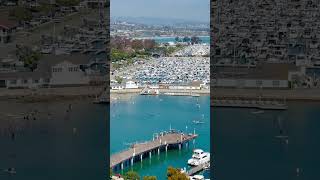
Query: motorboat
point(198, 122)
point(199, 157)
point(196, 177)
point(257, 112)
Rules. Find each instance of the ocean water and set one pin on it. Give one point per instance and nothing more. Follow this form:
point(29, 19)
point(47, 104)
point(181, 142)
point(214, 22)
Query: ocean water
point(47, 148)
point(204, 39)
point(138, 118)
point(246, 145)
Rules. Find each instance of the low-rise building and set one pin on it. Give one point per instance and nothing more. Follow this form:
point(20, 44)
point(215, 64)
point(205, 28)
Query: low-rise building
point(131, 85)
point(7, 30)
point(263, 76)
point(54, 71)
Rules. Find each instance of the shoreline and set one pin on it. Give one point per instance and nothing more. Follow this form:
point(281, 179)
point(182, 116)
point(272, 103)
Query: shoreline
point(281, 94)
point(51, 94)
point(126, 94)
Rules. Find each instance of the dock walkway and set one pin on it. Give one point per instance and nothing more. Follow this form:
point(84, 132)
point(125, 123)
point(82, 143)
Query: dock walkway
point(194, 170)
point(162, 141)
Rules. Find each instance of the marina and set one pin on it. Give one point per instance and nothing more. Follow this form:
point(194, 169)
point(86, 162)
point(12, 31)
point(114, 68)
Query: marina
point(168, 70)
point(143, 111)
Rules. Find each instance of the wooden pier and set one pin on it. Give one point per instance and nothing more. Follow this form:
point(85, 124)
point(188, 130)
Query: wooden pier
point(160, 142)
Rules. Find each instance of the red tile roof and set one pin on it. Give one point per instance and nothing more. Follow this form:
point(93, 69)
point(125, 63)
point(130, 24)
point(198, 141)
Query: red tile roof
point(7, 24)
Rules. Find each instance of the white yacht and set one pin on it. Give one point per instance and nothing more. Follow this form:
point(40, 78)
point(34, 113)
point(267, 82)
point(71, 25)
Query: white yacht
point(196, 177)
point(199, 157)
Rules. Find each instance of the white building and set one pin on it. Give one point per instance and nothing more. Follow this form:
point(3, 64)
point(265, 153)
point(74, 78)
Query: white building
point(131, 85)
point(66, 72)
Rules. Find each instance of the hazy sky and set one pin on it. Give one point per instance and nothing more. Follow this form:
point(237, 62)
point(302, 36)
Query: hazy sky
point(198, 10)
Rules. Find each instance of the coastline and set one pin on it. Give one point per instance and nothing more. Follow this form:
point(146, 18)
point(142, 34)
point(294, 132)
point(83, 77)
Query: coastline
point(284, 94)
point(51, 94)
point(126, 94)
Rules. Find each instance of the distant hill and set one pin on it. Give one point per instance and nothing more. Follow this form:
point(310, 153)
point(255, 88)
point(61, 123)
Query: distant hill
point(157, 21)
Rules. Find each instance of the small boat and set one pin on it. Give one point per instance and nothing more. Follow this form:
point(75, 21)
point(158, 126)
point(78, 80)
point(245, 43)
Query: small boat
point(10, 171)
point(198, 122)
point(199, 157)
point(282, 137)
point(150, 92)
point(257, 112)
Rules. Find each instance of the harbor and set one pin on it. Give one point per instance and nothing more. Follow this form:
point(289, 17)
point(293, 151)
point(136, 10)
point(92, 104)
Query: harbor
point(139, 111)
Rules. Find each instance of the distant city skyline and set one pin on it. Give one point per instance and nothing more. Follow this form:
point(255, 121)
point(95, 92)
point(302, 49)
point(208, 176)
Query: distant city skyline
point(189, 10)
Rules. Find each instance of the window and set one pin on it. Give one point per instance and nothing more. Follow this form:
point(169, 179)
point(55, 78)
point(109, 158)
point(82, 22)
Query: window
point(13, 81)
point(73, 69)
point(47, 80)
point(36, 81)
point(56, 69)
point(276, 83)
point(259, 83)
point(25, 81)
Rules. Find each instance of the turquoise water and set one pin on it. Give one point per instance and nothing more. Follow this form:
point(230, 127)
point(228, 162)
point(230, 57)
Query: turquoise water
point(138, 118)
point(204, 39)
point(246, 144)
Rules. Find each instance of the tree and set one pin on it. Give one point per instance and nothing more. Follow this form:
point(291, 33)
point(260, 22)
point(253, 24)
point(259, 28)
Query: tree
point(177, 39)
point(137, 44)
point(186, 39)
point(21, 14)
point(149, 178)
point(119, 79)
point(28, 56)
point(195, 40)
point(110, 172)
point(68, 2)
point(176, 174)
point(131, 175)
point(47, 9)
point(149, 44)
